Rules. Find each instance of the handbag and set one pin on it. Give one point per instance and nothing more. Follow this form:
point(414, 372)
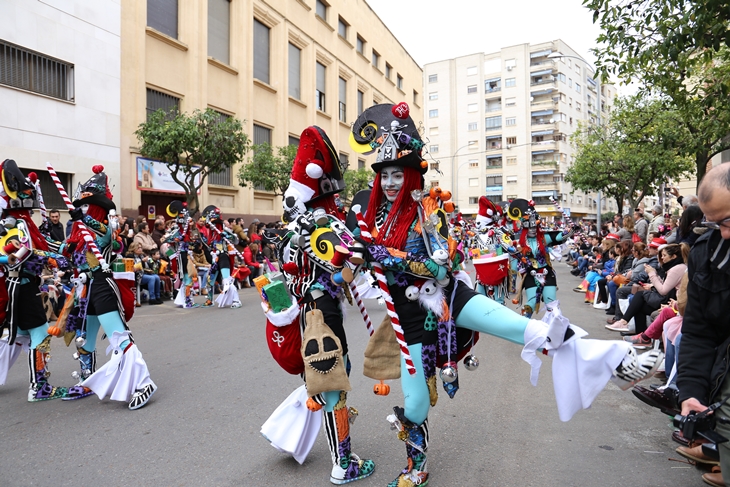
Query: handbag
point(635, 237)
point(654, 299)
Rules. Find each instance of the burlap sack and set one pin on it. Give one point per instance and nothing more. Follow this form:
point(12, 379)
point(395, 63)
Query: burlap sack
point(324, 369)
point(382, 354)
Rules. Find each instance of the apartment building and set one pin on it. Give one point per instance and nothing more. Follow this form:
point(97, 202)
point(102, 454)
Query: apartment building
point(279, 65)
point(60, 89)
point(498, 124)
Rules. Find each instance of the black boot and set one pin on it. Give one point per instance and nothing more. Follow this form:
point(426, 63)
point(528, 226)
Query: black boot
point(40, 389)
point(416, 439)
point(87, 364)
point(346, 466)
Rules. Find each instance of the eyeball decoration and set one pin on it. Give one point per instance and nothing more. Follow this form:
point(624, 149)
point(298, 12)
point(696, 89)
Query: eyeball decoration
point(412, 293)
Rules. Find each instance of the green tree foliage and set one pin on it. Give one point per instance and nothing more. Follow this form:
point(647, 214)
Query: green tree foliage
point(192, 146)
point(267, 171)
point(637, 149)
point(356, 181)
point(677, 48)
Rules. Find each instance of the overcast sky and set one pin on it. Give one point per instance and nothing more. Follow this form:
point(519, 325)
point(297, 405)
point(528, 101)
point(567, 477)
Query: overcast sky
point(434, 30)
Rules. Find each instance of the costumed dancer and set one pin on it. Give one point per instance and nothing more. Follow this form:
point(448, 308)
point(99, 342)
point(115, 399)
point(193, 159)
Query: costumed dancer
point(533, 259)
point(25, 253)
point(220, 241)
point(311, 261)
point(431, 307)
point(101, 302)
point(494, 244)
point(179, 238)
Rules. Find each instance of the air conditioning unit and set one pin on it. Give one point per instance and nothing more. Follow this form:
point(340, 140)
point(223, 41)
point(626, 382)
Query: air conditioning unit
point(510, 68)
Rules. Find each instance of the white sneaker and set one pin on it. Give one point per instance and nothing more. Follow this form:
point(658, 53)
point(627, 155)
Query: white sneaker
point(635, 368)
point(601, 305)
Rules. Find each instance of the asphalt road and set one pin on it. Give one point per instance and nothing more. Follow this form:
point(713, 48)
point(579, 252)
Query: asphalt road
point(218, 384)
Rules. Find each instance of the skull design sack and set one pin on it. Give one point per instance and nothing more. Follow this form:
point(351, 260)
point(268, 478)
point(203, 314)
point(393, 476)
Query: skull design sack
point(324, 368)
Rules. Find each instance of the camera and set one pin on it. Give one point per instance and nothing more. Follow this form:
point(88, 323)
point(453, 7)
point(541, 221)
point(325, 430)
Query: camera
point(700, 425)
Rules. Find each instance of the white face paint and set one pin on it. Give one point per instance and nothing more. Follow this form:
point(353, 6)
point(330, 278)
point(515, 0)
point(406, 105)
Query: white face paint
point(391, 180)
point(84, 208)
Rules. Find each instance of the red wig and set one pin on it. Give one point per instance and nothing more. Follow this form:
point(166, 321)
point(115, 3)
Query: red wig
point(39, 242)
point(394, 231)
point(97, 213)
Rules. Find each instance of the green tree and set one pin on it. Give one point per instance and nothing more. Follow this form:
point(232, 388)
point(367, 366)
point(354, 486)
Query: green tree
point(192, 146)
point(267, 171)
point(678, 48)
point(637, 149)
point(356, 181)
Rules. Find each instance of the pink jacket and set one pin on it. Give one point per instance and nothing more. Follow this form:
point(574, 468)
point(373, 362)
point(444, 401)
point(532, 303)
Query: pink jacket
point(672, 280)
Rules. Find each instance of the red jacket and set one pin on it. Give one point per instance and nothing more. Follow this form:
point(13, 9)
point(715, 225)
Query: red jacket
point(250, 258)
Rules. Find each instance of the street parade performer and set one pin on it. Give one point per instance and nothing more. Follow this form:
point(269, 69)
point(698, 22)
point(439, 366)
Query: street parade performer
point(179, 237)
point(493, 243)
point(24, 254)
point(220, 242)
point(405, 232)
point(314, 279)
point(533, 260)
point(92, 247)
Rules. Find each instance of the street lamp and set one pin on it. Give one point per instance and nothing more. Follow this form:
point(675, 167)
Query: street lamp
point(455, 174)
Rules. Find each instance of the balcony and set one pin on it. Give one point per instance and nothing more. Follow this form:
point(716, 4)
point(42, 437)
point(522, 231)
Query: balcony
point(546, 104)
point(546, 163)
point(543, 62)
point(544, 184)
point(543, 82)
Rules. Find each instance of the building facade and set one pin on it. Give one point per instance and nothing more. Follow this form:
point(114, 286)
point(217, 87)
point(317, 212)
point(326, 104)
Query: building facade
point(60, 89)
point(278, 66)
point(499, 124)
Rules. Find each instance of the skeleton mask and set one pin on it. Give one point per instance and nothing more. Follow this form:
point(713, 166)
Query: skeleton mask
point(323, 360)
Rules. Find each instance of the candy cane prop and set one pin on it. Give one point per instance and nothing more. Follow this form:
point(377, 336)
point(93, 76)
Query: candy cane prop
point(84, 230)
point(383, 283)
point(41, 203)
point(363, 311)
point(228, 242)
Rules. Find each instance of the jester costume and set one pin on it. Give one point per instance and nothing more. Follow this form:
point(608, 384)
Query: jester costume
point(305, 250)
point(437, 311)
point(533, 260)
point(179, 238)
point(220, 241)
point(493, 244)
point(24, 255)
point(100, 303)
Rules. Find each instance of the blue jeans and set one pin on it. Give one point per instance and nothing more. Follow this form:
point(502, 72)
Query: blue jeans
point(152, 281)
point(612, 292)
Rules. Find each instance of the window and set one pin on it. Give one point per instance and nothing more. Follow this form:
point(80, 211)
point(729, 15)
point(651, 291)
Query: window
point(577, 68)
point(360, 45)
point(473, 182)
point(433, 96)
point(510, 64)
point(494, 180)
point(415, 97)
point(156, 100)
point(472, 126)
point(388, 69)
point(494, 143)
point(342, 27)
point(162, 16)
point(433, 131)
point(495, 198)
point(32, 71)
point(577, 87)
point(433, 113)
point(492, 123)
point(494, 105)
point(473, 200)
point(492, 85)
point(344, 161)
point(222, 178)
point(511, 161)
point(472, 107)
point(434, 184)
point(343, 100)
point(471, 70)
point(376, 58)
point(510, 121)
point(261, 135)
point(399, 82)
point(293, 140)
point(511, 140)
point(295, 61)
point(360, 164)
point(321, 9)
point(473, 144)
point(471, 89)
point(319, 101)
point(260, 51)
point(434, 149)
point(219, 25)
point(360, 102)
point(51, 196)
point(510, 82)
point(510, 102)
point(494, 162)
point(561, 77)
point(473, 163)
point(570, 82)
point(511, 179)
point(433, 78)
point(577, 105)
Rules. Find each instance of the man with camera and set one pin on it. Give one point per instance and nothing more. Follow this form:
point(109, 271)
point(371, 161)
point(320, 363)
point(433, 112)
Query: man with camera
point(705, 350)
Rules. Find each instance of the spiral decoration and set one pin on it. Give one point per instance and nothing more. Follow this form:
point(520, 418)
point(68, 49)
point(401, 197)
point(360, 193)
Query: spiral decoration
point(323, 241)
point(517, 208)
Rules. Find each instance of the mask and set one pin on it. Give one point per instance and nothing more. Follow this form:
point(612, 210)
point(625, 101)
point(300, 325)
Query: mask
point(391, 180)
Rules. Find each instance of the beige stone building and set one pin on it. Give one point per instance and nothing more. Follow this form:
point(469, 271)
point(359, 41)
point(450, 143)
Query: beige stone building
point(499, 124)
point(280, 65)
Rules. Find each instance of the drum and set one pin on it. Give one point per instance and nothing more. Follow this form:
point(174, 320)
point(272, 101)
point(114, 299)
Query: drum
point(492, 271)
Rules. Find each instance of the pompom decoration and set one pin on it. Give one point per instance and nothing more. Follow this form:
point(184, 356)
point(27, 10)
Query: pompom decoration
point(401, 110)
point(97, 169)
point(424, 164)
point(33, 177)
point(314, 171)
point(290, 268)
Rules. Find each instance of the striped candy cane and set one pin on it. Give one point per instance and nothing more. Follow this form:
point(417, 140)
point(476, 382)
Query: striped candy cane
point(228, 242)
point(363, 311)
point(84, 230)
point(41, 203)
point(383, 283)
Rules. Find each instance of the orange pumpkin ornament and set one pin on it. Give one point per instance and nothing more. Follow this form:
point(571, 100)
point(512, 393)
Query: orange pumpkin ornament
point(434, 192)
point(449, 207)
point(445, 195)
point(313, 406)
point(55, 331)
point(381, 389)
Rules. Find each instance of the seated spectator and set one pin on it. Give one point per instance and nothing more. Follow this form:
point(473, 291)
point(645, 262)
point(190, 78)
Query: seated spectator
point(162, 269)
point(690, 219)
point(600, 269)
point(144, 239)
point(158, 232)
point(656, 292)
point(147, 276)
point(624, 262)
point(627, 231)
point(642, 255)
point(590, 257)
point(249, 256)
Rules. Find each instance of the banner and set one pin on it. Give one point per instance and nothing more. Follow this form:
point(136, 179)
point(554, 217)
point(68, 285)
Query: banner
point(155, 176)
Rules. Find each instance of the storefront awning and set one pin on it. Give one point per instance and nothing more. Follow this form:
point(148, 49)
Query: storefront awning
point(541, 113)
